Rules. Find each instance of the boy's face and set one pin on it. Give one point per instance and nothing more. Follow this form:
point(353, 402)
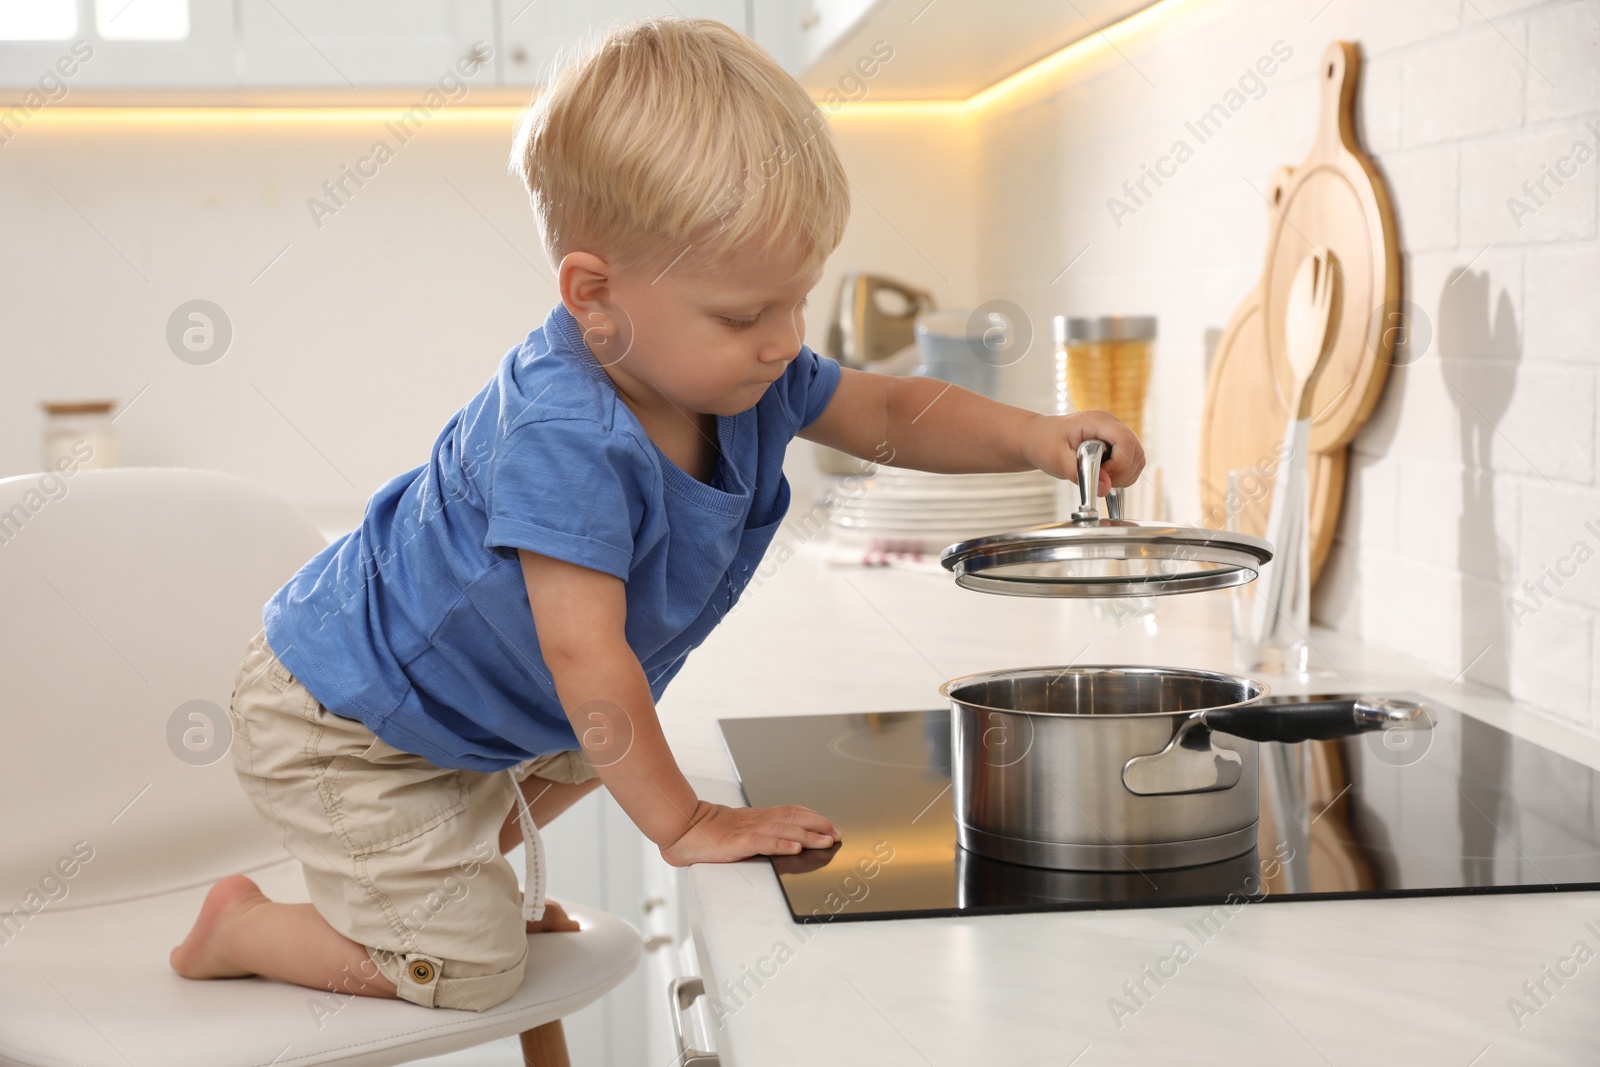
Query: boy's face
point(706, 341)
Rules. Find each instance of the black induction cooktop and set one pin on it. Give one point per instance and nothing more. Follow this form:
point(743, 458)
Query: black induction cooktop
point(1465, 808)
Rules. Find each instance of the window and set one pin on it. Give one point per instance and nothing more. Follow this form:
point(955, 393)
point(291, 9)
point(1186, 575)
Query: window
point(141, 20)
point(38, 20)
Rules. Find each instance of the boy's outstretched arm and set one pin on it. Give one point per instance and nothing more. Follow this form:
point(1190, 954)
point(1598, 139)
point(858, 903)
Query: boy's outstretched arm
point(579, 614)
point(931, 425)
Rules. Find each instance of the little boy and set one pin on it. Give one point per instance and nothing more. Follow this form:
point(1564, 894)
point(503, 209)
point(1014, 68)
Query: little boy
point(519, 602)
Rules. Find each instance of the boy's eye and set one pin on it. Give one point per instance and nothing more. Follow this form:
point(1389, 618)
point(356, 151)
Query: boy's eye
point(738, 324)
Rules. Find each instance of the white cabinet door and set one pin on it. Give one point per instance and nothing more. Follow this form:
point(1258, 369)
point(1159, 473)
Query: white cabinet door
point(363, 43)
point(775, 26)
point(83, 59)
point(670, 954)
point(348, 44)
point(663, 931)
point(535, 32)
point(823, 23)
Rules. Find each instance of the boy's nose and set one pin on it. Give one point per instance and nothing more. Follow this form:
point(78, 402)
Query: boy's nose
point(777, 357)
point(779, 347)
point(785, 345)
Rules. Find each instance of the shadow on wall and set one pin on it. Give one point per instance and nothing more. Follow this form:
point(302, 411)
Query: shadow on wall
point(1479, 353)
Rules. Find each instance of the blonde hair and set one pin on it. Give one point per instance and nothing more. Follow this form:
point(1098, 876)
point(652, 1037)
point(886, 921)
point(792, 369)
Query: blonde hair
point(671, 134)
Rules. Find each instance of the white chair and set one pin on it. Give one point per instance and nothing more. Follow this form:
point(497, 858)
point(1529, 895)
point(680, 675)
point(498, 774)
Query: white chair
point(125, 594)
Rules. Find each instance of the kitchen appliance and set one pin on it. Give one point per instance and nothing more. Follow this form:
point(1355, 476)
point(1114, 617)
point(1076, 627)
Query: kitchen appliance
point(1120, 768)
point(874, 320)
point(1467, 809)
point(874, 317)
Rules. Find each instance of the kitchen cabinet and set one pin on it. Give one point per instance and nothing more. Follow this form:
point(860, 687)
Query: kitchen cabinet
point(359, 43)
point(946, 49)
point(346, 49)
point(775, 26)
point(941, 49)
point(356, 49)
point(823, 23)
point(533, 32)
point(84, 60)
point(672, 957)
point(268, 44)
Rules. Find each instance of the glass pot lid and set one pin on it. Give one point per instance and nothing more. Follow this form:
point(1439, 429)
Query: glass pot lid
point(1090, 556)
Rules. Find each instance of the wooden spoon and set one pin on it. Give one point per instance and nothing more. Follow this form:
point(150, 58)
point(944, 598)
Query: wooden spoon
point(1311, 326)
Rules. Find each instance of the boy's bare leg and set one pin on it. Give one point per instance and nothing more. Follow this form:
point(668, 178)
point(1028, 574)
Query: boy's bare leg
point(240, 932)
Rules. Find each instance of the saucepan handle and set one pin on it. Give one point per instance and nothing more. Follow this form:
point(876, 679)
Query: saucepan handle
point(1318, 720)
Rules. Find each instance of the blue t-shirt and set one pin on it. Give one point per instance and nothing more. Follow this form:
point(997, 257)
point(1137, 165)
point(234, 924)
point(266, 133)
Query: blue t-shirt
point(417, 623)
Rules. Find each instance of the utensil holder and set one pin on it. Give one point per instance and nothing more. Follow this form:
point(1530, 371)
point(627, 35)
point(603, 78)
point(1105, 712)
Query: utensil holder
point(1272, 639)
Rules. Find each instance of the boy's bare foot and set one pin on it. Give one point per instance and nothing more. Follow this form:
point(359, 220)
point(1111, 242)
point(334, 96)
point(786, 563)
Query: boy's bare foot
point(555, 918)
point(203, 953)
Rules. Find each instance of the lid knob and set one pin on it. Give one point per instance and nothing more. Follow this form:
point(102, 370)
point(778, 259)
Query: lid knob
point(1090, 455)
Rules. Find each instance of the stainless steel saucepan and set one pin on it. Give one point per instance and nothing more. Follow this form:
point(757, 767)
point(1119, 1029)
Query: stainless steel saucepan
point(1108, 768)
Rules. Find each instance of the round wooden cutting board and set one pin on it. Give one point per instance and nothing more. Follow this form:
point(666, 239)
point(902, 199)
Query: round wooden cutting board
point(1336, 199)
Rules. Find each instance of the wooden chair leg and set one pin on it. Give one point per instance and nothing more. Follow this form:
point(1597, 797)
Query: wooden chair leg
point(545, 1046)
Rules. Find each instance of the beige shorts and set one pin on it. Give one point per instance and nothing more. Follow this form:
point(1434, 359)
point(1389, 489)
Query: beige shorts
point(400, 856)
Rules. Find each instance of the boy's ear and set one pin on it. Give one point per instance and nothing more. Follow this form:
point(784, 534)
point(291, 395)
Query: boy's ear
point(585, 281)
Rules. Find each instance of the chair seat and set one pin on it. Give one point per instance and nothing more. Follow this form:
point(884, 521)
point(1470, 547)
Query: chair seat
point(91, 987)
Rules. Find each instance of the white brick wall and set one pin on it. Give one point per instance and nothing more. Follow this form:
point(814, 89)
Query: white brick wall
point(1493, 170)
point(1562, 317)
point(1437, 103)
point(1478, 469)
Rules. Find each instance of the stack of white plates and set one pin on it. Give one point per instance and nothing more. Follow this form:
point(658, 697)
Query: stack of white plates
point(917, 511)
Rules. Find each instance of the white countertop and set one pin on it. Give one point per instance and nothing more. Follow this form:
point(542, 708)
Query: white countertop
point(1420, 981)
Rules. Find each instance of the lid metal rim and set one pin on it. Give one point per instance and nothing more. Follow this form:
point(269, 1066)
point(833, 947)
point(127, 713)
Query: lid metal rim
point(1007, 555)
point(1238, 559)
point(1050, 543)
point(1223, 578)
